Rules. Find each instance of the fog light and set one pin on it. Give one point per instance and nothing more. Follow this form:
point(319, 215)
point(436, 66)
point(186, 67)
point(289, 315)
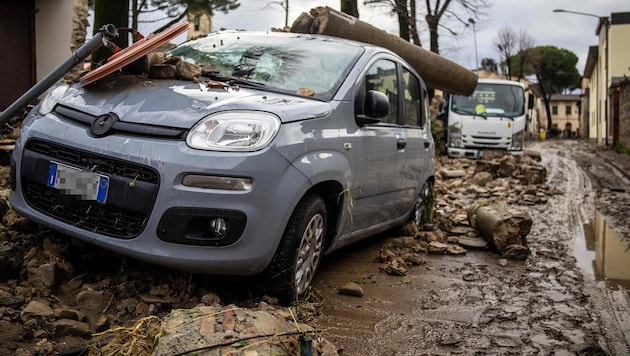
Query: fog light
point(218, 227)
point(216, 182)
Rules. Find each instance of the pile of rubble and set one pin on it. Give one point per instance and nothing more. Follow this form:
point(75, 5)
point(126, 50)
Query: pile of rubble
point(497, 184)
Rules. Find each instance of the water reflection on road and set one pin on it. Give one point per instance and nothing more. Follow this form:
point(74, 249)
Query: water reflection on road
point(603, 254)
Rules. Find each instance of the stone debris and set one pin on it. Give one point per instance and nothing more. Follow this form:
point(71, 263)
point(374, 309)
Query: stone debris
point(222, 330)
point(352, 289)
point(55, 292)
point(497, 178)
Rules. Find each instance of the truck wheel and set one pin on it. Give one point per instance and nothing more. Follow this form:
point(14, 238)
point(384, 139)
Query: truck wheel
point(422, 210)
point(299, 253)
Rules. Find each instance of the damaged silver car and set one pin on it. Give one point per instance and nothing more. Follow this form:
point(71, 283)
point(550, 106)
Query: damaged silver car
point(287, 147)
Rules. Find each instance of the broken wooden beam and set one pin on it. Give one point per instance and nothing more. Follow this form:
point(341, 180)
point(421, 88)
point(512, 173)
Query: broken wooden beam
point(438, 72)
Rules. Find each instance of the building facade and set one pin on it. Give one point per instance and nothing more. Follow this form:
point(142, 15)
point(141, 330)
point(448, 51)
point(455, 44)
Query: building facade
point(565, 115)
point(609, 59)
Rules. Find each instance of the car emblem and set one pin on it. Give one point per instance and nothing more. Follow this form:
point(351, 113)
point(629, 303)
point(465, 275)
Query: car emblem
point(102, 124)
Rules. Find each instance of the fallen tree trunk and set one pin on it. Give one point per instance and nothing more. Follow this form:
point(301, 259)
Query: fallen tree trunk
point(437, 71)
point(504, 227)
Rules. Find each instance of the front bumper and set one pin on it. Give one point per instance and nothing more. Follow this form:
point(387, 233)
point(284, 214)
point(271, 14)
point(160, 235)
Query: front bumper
point(149, 214)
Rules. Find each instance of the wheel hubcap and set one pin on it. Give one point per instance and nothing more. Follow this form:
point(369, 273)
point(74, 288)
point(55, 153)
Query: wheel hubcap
point(309, 253)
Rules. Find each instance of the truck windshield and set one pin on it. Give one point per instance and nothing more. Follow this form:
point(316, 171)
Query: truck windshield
point(491, 100)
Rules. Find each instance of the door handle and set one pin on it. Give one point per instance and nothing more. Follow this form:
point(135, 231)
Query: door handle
point(401, 143)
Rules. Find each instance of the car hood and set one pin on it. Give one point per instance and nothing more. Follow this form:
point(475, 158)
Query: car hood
point(183, 103)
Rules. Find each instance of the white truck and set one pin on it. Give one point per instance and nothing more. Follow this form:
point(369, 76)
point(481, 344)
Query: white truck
point(493, 117)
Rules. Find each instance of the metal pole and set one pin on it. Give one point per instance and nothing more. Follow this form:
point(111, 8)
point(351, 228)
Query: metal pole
point(106, 32)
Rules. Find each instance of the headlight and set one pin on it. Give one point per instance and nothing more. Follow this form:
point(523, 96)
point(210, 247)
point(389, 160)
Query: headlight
point(234, 131)
point(51, 98)
point(517, 141)
point(455, 138)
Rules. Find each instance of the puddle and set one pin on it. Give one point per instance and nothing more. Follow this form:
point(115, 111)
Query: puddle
point(603, 255)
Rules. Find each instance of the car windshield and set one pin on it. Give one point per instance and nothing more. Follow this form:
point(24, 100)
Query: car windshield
point(312, 66)
point(491, 100)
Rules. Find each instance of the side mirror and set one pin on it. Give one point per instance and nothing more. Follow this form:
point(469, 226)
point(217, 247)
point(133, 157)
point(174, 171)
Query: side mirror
point(376, 106)
point(530, 101)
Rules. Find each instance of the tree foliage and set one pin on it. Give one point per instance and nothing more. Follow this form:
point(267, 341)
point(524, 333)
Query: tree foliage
point(556, 71)
point(506, 43)
point(490, 65)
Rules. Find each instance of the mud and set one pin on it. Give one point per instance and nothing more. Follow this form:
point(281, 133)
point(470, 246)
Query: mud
point(475, 303)
point(471, 304)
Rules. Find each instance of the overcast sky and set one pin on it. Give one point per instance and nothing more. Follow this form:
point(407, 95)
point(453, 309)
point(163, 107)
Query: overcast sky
point(563, 30)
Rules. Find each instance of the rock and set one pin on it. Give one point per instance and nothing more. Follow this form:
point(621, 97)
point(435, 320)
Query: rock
point(503, 262)
point(11, 301)
point(210, 299)
point(414, 259)
point(351, 289)
point(187, 71)
point(395, 267)
point(67, 327)
point(456, 250)
point(460, 230)
point(516, 252)
point(37, 308)
point(437, 247)
point(481, 178)
point(452, 173)
point(71, 314)
point(43, 278)
point(162, 71)
point(472, 242)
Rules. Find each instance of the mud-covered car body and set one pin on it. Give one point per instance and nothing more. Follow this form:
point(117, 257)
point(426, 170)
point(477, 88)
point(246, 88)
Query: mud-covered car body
point(221, 176)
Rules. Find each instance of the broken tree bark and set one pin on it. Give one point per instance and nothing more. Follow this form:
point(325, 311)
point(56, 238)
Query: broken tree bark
point(437, 71)
point(504, 227)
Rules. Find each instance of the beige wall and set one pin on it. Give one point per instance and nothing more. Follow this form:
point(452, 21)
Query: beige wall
point(620, 50)
point(53, 32)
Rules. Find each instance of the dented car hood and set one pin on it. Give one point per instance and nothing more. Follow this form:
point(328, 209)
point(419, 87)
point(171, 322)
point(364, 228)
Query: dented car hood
point(183, 103)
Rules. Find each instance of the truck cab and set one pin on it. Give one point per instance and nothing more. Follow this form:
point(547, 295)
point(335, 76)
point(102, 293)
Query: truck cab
point(493, 117)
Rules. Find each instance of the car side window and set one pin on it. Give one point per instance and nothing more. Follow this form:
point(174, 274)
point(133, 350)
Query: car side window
point(413, 109)
point(382, 76)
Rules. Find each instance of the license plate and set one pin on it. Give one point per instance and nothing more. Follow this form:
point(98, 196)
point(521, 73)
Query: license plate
point(86, 185)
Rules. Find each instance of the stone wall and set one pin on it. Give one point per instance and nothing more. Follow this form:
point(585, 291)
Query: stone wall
point(624, 115)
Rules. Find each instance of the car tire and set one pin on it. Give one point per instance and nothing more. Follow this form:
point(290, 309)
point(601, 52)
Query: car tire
point(423, 207)
point(299, 253)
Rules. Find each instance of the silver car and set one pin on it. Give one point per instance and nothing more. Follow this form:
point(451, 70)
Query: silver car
point(290, 146)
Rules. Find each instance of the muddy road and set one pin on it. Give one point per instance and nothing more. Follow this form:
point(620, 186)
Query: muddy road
point(476, 304)
point(56, 292)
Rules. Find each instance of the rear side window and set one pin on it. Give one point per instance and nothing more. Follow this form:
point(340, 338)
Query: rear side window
point(382, 77)
point(413, 110)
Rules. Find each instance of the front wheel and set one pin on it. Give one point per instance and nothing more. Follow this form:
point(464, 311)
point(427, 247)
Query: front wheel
point(423, 207)
point(299, 253)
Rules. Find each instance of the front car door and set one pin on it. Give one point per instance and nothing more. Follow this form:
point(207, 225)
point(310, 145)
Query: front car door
point(378, 190)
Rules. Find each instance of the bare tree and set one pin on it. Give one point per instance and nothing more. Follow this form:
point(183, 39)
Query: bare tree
point(525, 43)
point(450, 15)
point(506, 43)
point(350, 7)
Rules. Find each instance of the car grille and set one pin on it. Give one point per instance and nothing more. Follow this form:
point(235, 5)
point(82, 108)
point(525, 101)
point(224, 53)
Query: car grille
point(122, 219)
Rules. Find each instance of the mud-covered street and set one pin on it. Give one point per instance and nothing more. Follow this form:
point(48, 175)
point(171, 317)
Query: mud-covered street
point(475, 304)
point(55, 293)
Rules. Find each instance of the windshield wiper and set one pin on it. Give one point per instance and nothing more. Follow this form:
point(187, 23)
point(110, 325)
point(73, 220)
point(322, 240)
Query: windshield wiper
point(236, 81)
point(469, 112)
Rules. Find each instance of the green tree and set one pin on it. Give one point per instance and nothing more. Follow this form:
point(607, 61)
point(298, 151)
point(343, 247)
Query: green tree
point(555, 70)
